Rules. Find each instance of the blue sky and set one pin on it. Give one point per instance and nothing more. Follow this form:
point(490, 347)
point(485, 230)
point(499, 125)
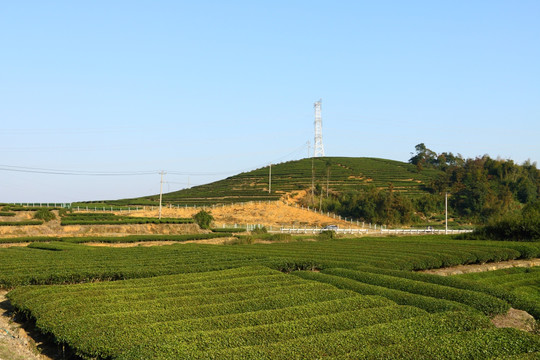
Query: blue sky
point(209, 88)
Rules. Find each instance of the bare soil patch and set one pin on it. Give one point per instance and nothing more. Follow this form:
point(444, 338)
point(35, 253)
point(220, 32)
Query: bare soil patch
point(22, 244)
point(515, 318)
point(19, 341)
point(464, 269)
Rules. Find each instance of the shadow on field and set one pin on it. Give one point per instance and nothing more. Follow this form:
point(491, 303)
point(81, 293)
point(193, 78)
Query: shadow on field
point(26, 335)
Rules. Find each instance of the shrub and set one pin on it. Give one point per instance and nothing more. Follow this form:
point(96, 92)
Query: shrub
point(327, 234)
point(44, 214)
point(64, 212)
point(259, 230)
point(203, 219)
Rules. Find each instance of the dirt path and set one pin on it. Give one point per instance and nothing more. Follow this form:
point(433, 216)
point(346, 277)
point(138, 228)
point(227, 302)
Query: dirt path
point(464, 269)
point(15, 342)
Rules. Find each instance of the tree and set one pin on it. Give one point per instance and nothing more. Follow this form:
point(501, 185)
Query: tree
point(423, 157)
point(203, 219)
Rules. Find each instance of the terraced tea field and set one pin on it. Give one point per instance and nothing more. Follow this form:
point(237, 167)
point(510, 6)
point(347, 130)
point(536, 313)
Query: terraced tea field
point(340, 173)
point(264, 301)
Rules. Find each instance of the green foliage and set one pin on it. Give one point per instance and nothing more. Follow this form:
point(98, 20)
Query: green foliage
point(426, 303)
point(479, 344)
point(114, 239)
point(229, 230)
point(21, 223)
point(7, 213)
point(481, 189)
point(327, 235)
point(139, 238)
point(236, 302)
point(113, 219)
point(259, 230)
point(344, 174)
point(488, 304)
point(404, 253)
point(373, 205)
point(255, 313)
point(203, 219)
point(226, 302)
point(65, 212)
point(44, 214)
point(250, 239)
point(524, 226)
point(520, 286)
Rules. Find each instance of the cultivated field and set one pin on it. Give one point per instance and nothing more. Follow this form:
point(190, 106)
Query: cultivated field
point(339, 173)
point(335, 299)
point(522, 283)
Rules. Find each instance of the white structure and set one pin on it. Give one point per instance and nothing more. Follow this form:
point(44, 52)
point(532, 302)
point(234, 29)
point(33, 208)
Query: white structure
point(318, 149)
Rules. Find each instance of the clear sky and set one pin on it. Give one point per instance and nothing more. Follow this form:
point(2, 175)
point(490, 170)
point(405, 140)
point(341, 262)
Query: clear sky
point(206, 89)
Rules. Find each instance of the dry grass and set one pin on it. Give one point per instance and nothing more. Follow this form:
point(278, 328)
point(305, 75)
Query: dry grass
point(274, 214)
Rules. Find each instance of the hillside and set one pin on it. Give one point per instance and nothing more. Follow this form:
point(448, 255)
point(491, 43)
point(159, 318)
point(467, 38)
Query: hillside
point(340, 174)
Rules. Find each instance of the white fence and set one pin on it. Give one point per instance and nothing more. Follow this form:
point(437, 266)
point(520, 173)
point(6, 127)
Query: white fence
point(425, 231)
point(299, 230)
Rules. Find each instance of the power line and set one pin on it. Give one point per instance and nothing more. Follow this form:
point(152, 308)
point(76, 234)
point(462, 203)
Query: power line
point(47, 171)
point(33, 170)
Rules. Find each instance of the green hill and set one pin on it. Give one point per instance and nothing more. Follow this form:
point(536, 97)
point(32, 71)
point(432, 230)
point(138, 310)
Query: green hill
point(339, 173)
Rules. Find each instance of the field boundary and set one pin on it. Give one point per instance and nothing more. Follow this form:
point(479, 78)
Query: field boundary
point(465, 269)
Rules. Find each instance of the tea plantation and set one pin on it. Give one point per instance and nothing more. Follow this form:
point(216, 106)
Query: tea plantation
point(265, 301)
point(340, 173)
point(522, 286)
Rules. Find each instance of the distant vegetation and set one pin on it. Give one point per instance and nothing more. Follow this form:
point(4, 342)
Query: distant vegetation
point(112, 219)
point(482, 188)
point(337, 174)
point(44, 214)
point(380, 191)
point(112, 239)
point(21, 223)
point(514, 226)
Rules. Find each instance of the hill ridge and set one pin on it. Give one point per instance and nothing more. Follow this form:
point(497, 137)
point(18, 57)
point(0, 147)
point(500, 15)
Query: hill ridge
point(331, 174)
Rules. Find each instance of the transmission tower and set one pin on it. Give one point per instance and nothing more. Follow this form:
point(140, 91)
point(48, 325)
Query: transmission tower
point(318, 147)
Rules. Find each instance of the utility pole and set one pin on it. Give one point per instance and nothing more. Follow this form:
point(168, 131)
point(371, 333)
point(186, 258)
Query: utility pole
point(270, 179)
point(161, 192)
point(446, 213)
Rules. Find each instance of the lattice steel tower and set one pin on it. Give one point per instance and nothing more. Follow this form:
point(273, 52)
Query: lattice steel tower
point(318, 148)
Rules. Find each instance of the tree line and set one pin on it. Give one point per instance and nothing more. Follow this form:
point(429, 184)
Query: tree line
point(481, 190)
